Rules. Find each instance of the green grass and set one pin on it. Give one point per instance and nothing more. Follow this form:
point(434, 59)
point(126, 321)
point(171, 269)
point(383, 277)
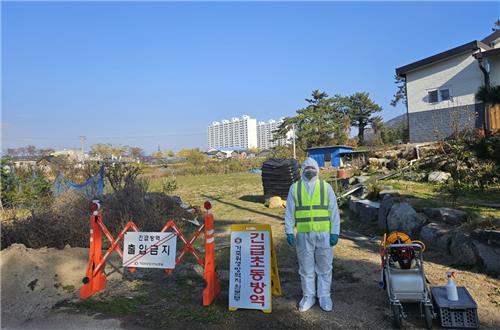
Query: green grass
point(425, 194)
point(118, 306)
point(236, 197)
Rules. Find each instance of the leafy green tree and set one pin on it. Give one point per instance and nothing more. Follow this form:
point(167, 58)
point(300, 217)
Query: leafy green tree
point(104, 150)
point(496, 25)
point(319, 123)
point(377, 125)
point(28, 188)
point(489, 95)
point(136, 152)
point(193, 156)
point(31, 150)
point(360, 109)
point(400, 95)
point(8, 183)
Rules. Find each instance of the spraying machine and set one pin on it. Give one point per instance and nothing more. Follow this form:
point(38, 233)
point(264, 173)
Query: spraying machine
point(402, 275)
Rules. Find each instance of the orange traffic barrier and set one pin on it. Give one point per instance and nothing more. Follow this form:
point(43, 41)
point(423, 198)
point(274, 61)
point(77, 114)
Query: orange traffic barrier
point(95, 277)
point(210, 274)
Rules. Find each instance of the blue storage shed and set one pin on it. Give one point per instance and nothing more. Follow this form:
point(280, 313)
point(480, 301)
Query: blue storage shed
point(328, 155)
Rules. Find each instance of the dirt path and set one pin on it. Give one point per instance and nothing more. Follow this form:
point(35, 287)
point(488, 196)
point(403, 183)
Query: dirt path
point(40, 287)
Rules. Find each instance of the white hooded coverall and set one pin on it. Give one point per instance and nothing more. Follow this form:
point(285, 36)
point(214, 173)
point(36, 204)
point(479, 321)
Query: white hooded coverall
point(314, 253)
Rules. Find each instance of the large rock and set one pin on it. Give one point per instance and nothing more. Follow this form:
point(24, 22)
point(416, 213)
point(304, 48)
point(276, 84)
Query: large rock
point(351, 203)
point(368, 211)
point(276, 202)
point(403, 217)
point(444, 214)
point(383, 211)
point(463, 250)
point(436, 236)
point(490, 237)
point(388, 191)
point(489, 255)
point(438, 177)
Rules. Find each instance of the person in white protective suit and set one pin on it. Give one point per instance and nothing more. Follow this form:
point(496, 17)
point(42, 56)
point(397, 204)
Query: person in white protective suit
point(312, 209)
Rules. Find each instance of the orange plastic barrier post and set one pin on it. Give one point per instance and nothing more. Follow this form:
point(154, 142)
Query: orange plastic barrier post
point(94, 282)
point(95, 278)
point(210, 275)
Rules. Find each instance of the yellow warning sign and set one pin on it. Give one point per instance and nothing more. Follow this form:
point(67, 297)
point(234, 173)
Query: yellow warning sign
point(254, 276)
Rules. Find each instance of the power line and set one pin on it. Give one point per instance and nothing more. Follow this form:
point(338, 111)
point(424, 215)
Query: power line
point(108, 137)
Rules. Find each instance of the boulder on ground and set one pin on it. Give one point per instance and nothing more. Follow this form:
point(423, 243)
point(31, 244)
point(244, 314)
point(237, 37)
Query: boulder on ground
point(388, 191)
point(463, 250)
point(367, 211)
point(436, 236)
point(490, 237)
point(403, 217)
point(489, 255)
point(351, 203)
point(438, 176)
point(444, 214)
point(383, 211)
point(276, 202)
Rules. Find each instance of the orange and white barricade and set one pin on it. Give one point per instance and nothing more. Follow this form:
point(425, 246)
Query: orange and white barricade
point(95, 277)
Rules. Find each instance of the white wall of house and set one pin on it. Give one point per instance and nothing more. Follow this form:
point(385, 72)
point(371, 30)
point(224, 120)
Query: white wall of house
point(494, 62)
point(460, 74)
point(496, 43)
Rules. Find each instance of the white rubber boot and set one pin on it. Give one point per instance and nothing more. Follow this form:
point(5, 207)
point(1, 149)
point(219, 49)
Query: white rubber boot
point(326, 304)
point(306, 303)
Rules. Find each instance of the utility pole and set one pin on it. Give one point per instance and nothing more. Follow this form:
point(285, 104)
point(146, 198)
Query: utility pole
point(294, 153)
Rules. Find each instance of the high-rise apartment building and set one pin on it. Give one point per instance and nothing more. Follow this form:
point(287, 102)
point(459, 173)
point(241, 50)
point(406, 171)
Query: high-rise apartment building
point(237, 132)
point(265, 134)
point(245, 133)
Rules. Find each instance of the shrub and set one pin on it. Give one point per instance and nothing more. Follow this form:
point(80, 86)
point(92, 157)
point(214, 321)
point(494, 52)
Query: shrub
point(169, 185)
point(374, 189)
point(66, 220)
point(488, 148)
point(24, 187)
point(121, 175)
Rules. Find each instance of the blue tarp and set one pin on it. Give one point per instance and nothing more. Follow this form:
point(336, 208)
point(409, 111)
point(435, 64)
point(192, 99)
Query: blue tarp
point(91, 188)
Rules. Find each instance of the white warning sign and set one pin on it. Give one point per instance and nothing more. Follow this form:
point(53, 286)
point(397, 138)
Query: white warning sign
point(149, 249)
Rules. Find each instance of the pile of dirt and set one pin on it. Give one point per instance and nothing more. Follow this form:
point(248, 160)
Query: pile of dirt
point(33, 281)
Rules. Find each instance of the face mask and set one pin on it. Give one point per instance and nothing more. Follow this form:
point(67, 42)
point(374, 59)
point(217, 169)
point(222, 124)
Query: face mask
point(309, 174)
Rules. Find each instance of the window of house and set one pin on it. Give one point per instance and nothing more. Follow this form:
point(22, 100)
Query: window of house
point(439, 95)
point(445, 94)
point(432, 96)
point(328, 157)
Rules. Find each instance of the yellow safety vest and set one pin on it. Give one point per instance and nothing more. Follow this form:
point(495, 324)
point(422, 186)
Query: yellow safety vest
point(311, 214)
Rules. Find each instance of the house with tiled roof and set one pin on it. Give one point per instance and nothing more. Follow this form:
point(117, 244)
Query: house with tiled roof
point(441, 90)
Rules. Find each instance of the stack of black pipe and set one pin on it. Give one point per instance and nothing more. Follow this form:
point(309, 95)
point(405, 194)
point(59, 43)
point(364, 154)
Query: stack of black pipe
point(278, 175)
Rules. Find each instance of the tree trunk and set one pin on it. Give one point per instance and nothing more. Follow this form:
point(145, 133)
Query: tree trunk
point(361, 134)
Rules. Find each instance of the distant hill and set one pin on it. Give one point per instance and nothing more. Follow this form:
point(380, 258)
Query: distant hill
point(391, 123)
point(396, 121)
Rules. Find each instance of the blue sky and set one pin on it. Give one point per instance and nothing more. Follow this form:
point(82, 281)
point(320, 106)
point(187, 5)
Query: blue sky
point(157, 73)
